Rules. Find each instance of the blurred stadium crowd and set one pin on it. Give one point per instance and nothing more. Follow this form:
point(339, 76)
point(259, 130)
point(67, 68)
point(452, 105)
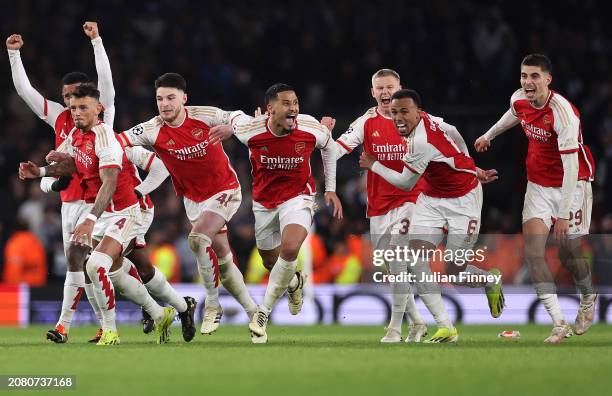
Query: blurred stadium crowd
point(462, 57)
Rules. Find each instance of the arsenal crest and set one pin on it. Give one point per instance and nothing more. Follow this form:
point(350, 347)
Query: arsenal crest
point(300, 147)
point(547, 119)
point(198, 133)
point(88, 147)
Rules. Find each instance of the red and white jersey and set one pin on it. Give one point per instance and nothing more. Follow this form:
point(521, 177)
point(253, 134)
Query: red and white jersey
point(552, 130)
point(198, 169)
point(98, 149)
point(141, 158)
point(379, 138)
point(449, 173)
point(62, 125)
point(280, 165)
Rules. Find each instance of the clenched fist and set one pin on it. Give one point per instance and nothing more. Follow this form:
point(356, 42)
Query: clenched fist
point(14, 42)
point(91, 29)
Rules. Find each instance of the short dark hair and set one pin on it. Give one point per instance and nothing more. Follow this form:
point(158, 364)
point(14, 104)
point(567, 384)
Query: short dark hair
point(75, 77)
point(274, 90)
point(538, 60)
point(408, 93)
point(171, 80)
point(86, 90)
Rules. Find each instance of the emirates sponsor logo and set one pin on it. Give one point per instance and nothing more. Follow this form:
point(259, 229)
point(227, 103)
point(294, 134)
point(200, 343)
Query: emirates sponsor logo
point(191, 152)
point(535, 133)
point(389, 152)
point(82, 157)
point(300, 147)
point(280, 163)
point(198, 133)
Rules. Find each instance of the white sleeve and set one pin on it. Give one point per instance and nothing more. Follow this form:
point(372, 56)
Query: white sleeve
point(454, 134)
point(570, 178)
point(507, 121)
point(46, 183)
point(405, 180)
point(44, 109)
point(144, 134)
point(329, 156)
point(105, 80)
point(212, 116)
point(108, 149)
point(352, 138)
point(566, 124)
point(156, 176)
point(240, 122)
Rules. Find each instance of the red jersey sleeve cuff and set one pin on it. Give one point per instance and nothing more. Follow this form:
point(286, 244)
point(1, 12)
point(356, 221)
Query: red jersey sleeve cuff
point(410, 169)
point(110, 166)
point(151, 158)
point(347, 148)
point(124, 140)
point(569, 151)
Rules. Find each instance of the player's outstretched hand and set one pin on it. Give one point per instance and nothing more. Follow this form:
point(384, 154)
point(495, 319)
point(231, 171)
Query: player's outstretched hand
point(82, 233)
point(486, 176)
point(14, 42)
point(219, 133)
point(257, 112)
point(482, 144)
point(56, 156)
point(28, 170)
point(329, 122)
point(331, 196)
point(366, 160)
point(91, 29)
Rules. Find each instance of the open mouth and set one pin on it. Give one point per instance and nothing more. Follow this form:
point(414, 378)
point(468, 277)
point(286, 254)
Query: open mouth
point(291, 120)
point(385, 100)
point(401, 127)
point(530, 91)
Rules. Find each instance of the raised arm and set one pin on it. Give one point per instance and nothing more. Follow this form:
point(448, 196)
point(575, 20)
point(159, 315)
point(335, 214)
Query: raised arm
point(44, 109)
point(103, 69)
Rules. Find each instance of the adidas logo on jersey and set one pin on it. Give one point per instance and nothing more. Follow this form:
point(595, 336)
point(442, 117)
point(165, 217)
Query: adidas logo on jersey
point(375, 134)
point(170, 142)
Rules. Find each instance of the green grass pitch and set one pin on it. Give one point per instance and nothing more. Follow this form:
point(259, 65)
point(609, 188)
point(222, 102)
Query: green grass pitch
point(316, 360)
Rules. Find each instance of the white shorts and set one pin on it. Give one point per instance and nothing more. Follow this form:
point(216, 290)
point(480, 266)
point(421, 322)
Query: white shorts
point(122, 226)
point(392, 225)
point(543, 203)
point(224, 203)
point(73, 213)
point(461, 216)
point(146, 219)
point(269, 223)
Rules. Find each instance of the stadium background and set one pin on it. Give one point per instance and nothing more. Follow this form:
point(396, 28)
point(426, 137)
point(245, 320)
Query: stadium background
point(462, 57)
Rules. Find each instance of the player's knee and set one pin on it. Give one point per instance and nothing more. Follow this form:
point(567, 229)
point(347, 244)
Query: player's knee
point(290, 249)
point(198, 242)
point(98, 262)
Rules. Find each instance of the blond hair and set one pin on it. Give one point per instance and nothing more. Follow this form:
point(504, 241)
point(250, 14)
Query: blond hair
point(385, 73)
